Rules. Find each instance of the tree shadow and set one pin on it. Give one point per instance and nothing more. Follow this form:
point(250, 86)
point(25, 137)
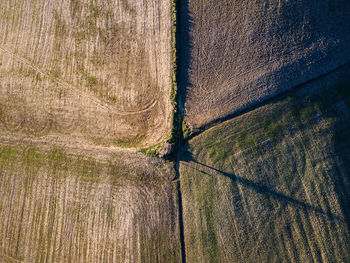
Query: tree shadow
point(183, 46)
point(267, 191)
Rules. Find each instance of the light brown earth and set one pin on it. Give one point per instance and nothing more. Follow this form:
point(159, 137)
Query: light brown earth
point(56, 206)
point(238, 53)
point(96, 72)
point(81, 78)
point(78, 80)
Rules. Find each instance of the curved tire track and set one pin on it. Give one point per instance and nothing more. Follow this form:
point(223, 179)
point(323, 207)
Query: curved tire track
point(62, 83)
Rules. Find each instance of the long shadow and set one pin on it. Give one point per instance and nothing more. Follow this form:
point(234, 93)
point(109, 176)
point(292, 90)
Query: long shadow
point(264, 102)
point(267, 191)
point(183, 60)
point(340, 176)
point(183, 47)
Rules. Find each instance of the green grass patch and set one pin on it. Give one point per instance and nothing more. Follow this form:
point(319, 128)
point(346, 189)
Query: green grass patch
point(7, 155)
point(152, 150)
point(273, 129)
point(245, 140)
point(186, 131)
point(129, 143)
point(60, 165)
point(91, 81)
point(112, 99)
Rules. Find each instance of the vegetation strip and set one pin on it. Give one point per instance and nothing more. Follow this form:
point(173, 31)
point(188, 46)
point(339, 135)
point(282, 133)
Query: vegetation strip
point(177, 134)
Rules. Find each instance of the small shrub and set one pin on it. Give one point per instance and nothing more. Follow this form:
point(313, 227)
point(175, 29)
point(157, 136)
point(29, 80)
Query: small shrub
point(186, 131)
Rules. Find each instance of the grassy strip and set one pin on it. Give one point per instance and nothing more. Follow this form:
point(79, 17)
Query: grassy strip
point(61, 165)
point(180, 129)
point(174, 89)
point(152, 150)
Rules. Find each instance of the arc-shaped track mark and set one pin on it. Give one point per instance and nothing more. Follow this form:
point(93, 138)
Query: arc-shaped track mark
point(62, 83)
point(10, 259)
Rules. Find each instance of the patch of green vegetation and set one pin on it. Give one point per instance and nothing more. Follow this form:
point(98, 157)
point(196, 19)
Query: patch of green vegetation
point(129, 143)
point(7, 155)
point(219, 151)
point(245, 140)
point(152, 150)
point(124, 144)
point(31, 155)
point(186, 131)
point(61, 165)
point(91, 81)
point(112, 99)
point(38, 77)
point(88, 169)
point(301, 113)
point(273, 129)
point(208, 237)
point(58, 162)
point(97, 60)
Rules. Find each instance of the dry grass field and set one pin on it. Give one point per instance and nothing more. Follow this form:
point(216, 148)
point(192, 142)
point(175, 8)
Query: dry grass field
point(237, 53)
point(96, 72)
point(273, 185)
point(57, 206)
point(253, 95)
point(78, 80)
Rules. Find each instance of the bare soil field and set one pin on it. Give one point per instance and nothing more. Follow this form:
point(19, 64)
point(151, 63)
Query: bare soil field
point(79, 79)
point(57, 206)
point(273, 185)
point(93, 71)
point(236, 53)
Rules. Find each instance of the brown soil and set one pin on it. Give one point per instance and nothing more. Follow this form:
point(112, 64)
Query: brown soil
point(95, 71)
point(238, 53)
point(86, 206)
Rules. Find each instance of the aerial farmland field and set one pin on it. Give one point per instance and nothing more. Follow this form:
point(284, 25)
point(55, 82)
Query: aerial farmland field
point(235, 54)
point(272, 185)
point(163, 131)
point(59, 206)
point(88, 71)
point(80, 82)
